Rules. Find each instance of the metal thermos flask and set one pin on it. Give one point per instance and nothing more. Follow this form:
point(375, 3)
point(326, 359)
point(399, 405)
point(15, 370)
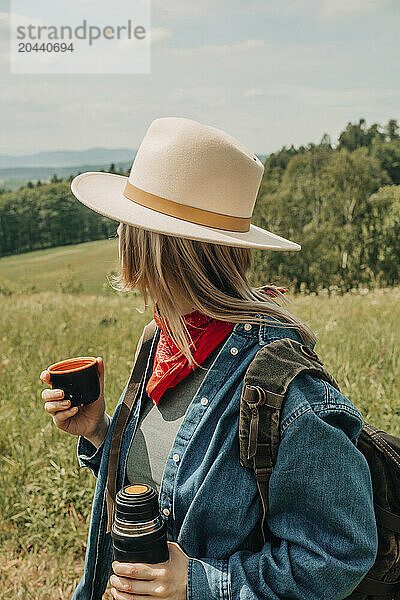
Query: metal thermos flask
point(139, 532)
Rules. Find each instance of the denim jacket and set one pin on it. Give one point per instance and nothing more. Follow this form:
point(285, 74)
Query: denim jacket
point(320, 492)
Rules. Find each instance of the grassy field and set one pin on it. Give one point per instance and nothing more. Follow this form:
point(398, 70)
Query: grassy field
point(45, 498)
point(82, 266)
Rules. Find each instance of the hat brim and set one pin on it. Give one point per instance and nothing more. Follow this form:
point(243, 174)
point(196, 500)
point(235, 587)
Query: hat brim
point(103, 193)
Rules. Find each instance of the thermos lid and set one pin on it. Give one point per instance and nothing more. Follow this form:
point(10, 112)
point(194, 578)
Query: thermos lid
point(137, 503)
point(136, 489)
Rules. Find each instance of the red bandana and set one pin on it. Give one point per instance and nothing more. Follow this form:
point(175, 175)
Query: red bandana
point(170, 365)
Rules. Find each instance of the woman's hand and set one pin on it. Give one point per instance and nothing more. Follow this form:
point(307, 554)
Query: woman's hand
point(167, 580)
point(89, 421)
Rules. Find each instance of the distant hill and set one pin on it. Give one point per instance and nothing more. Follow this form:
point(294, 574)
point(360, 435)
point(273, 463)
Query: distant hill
point(14, 174)
point(68, 158)
point(24, 174)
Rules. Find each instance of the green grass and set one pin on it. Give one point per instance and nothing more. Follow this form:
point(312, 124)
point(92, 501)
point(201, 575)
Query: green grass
point(85, 265)
point(45, 498)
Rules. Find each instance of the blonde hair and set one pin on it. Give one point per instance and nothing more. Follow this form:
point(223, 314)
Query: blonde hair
point(210, 277)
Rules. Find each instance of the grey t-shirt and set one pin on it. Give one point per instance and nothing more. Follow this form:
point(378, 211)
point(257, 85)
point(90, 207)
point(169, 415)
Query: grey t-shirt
point(158, 425)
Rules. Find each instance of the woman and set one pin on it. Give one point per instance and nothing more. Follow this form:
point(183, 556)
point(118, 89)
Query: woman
point(184, 242)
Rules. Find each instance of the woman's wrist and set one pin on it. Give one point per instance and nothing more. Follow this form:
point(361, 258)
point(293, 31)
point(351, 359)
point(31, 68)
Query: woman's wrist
point(98, 436)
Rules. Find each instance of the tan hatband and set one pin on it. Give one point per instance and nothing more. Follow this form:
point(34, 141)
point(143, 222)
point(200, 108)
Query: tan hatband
point(186, 213)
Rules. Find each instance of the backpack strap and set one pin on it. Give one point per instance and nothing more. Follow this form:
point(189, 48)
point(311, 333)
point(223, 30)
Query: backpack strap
point(141, 356)
point(265, 385)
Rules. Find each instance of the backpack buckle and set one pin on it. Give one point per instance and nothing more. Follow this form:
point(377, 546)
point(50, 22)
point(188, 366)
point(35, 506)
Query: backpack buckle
point(260, 392)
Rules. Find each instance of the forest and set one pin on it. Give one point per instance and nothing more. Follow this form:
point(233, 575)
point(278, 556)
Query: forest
point(340, 200)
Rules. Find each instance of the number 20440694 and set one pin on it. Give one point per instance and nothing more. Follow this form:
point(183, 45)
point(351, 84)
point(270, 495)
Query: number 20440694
point(49, 47)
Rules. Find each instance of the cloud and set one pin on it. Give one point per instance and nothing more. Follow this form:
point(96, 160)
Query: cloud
point(187, 9)
point(321, 97)
point(331, 9)
point(254, 93)
point(320, 9)
point(20, 19)
point(306, 75)
point(240, 48)
point(160, 35)
point(4, 41)
point(196, 9)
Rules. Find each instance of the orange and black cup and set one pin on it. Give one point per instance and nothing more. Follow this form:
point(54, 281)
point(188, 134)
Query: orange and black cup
point(78, 377)
point(139, 532)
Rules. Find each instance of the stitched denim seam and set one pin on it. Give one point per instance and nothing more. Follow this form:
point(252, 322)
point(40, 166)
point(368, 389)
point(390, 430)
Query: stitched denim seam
point(100, 534)
point(327, 395)
point(225, 587)
point(189, 576)
point(328, 408)
point(257, 334)
point(295, 415)
point(99, 541)
point(331, 409)
point(277, 335)
point(354, 411)
point(229, 587)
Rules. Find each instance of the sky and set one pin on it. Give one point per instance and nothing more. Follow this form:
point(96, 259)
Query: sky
point(270, 73)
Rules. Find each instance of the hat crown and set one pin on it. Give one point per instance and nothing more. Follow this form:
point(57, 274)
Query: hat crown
point(187, 180)
point(197, 165)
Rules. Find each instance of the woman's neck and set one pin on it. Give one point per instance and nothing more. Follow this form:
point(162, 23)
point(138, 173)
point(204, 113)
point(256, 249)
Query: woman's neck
point(184, 309)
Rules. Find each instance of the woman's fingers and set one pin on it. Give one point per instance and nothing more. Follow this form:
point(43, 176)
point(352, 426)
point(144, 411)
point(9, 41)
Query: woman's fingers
point(61, 416)
point(128, 589)
point(100, 369)
point(122, 595)
point(45, 376)
point(100, 365)
point(50, 394)
point(54, 407)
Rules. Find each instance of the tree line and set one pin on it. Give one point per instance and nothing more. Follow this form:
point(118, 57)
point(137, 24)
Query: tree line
point(340, 201)
point(342, 204)
point(45, 215)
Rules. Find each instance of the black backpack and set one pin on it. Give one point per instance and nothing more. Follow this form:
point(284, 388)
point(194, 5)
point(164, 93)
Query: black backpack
point(265, 384)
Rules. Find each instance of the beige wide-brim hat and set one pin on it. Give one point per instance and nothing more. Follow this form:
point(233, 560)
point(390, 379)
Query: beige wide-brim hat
point(187, 180)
